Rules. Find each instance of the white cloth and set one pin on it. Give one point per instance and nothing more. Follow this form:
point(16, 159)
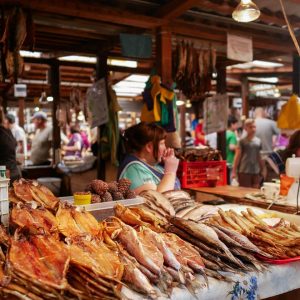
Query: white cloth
point(20, 136)
point(211, 139)
point(276, 280)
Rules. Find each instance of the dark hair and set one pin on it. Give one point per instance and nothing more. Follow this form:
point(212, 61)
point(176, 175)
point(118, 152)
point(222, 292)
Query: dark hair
point(137, 136)
point(293, 146)
point(231, 120)
point(10, 118)
point(75, 129)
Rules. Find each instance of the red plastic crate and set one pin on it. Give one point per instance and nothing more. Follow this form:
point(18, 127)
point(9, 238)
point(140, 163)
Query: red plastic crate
point(202, 173)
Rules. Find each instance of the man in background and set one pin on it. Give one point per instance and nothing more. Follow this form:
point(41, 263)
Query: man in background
point(266, 129)
point(19, 135)
point(41, 143)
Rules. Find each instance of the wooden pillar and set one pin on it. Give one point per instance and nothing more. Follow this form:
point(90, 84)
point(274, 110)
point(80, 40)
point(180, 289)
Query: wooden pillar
point(21, 103)
point(54, 76)
point(221, 89)
point(245, 99)
point(101, 71)
point(4, 103)
point(296, 74)
point(164, 54)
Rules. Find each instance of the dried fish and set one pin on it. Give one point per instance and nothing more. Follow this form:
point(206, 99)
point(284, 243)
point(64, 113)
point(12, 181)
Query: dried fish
point(159, 201)
point(205, 234)
point(242, 240)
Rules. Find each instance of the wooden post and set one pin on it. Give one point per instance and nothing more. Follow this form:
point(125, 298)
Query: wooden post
point(164, 54)
point(221, 89)
point(296, 74)
point(21, 103)
point(245, 94)
point(101, 71)
point(54, 76)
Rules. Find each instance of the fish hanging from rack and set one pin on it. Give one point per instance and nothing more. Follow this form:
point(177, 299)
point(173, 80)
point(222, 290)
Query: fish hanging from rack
point(18, 26)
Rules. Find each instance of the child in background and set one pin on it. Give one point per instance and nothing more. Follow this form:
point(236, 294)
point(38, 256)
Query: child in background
point(248, 163)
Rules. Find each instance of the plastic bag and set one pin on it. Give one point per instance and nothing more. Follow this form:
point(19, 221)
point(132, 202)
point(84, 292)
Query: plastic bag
point(285, 184)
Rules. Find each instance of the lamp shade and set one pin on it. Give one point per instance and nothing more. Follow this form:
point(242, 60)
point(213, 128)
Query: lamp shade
point(246, 11)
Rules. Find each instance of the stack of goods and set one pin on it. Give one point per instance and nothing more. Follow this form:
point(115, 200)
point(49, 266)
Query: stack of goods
point(59, 251)
point(177, 203)
point(56, 251)
point(220, 252)
point(281, 241)
point(193, 154)
point(153, 256)
point(193, 69)
point(111, 191)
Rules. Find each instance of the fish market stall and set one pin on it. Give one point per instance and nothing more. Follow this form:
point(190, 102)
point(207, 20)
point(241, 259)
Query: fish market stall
point(154, 246)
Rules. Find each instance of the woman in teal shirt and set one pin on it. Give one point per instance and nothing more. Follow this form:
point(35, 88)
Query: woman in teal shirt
point(145, 144)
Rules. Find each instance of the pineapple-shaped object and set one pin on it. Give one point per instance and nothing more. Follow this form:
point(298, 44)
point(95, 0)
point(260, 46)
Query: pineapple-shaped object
point(117, 196)
point(99, 187)
point(130, 195)
point(96, 198)
point(112, 187)
point(106, 197)
point(124, 186)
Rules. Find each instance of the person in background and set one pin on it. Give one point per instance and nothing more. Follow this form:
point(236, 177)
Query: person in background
point(41, 143)
point(189, 141)
point(231, 139)
point(199, 134)
point(248, 163)
point(8, 146)
point(19, 135)
point(275, 162)
point(75, 144)
point(146, 144)
point(85, 140)
point(266, 129)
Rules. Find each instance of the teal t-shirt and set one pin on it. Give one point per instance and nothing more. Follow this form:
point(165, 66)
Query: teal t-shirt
point(230, 140)
point(139, 174)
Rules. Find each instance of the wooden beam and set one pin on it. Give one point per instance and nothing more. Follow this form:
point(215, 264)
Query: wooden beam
point(245, 94)
point(164, 54)
point(21, 106)
point(219, 35)
point(101, 72)
point(89, 10)
point(55, 91)
point(175, 8)
point(296, 74)
point(221, 89)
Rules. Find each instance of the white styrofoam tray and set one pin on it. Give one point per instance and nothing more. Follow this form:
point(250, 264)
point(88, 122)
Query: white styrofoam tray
point(103, 210)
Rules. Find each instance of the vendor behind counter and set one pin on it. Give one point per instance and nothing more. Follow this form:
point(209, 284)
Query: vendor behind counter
point(146, 144)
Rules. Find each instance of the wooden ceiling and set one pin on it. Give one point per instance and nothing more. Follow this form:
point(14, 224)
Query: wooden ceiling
point(90, 27)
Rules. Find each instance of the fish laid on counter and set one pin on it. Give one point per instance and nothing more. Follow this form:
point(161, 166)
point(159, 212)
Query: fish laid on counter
point(201, 212)
point(29, 258)
point(159, 200)
point(176, 194)
point(205, 234)
point(36, 220)
point(31, 190)
point(74, 221)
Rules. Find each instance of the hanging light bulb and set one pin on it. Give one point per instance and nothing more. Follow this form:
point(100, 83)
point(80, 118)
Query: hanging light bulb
point(246, 11)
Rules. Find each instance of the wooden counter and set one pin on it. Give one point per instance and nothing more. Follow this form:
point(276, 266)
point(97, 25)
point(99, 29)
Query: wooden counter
point(235, 194)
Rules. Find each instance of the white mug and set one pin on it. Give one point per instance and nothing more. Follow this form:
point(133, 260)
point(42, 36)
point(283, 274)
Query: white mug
point(270, 190)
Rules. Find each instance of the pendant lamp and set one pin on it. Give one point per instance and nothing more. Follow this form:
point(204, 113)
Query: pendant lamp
point(246, 11)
